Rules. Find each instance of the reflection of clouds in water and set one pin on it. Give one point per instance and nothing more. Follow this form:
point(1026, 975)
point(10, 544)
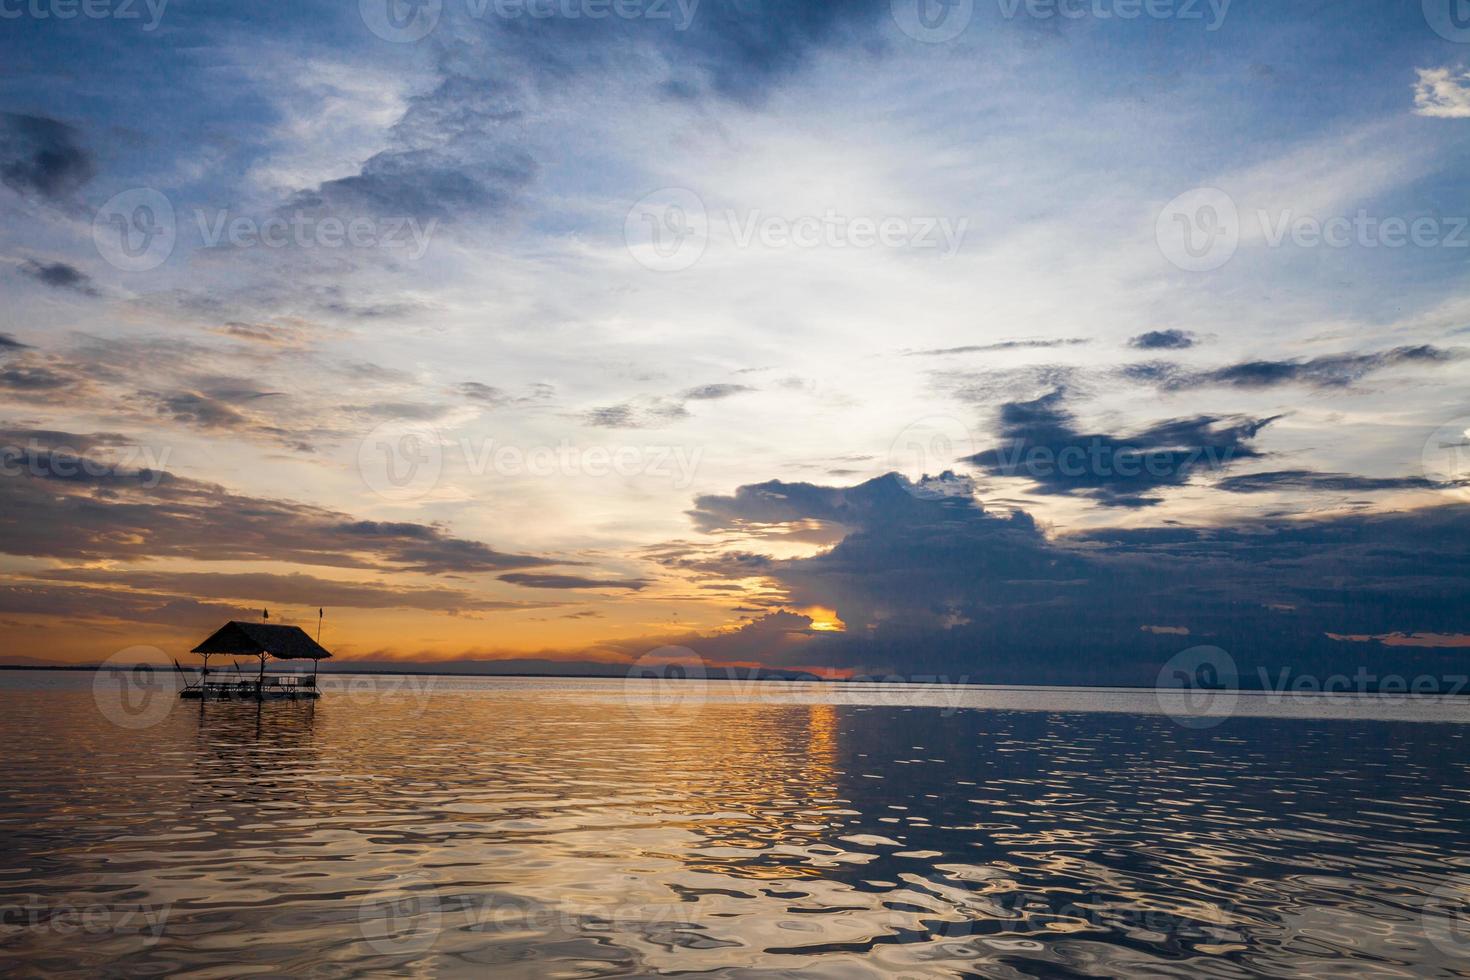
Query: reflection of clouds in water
point(551, 826)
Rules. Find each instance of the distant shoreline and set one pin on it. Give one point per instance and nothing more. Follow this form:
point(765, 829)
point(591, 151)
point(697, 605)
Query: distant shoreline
point(791, 678)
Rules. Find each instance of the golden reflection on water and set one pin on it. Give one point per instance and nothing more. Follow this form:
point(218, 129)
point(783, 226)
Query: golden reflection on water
point(550, 829)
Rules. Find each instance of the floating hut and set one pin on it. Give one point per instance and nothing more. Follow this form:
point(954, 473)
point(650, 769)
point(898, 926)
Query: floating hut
point(261, 640)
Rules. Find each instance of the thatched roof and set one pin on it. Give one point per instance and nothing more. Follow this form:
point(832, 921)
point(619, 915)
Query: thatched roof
point(254, 639)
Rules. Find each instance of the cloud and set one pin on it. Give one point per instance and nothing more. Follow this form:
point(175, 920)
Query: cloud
point(943, 585)
point(60, 275)
point(1442, 93)
point(1003, 345)
point(76, 506)
point(249, 589)
point(9, 343)
point(1310, 481)
point(1331, 371)
point(638, 413)
point(714, 391)
point(1045, 447)
point(1163, 340)
point(475, 391)
point(41, 156)
point(548, 581)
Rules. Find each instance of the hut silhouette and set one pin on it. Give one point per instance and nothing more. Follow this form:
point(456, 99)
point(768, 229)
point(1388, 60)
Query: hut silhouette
point(261, 640)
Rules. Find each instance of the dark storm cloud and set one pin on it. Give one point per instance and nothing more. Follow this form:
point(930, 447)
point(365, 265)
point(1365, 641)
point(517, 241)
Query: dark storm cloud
point(1308, 480)
point(42, 156)
point(60, 275)
point(71, 506)
point(941, 585)
point(1045, 446)
point(532, 580)
point(9, 343)
point(1003, 345)
point(1163, 340)
point(1330, 371)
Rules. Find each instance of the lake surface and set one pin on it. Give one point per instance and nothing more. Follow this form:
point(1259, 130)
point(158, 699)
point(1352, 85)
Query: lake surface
point(553, 828)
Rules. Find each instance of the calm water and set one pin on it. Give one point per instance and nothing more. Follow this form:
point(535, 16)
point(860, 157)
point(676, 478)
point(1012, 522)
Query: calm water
point(436, 827)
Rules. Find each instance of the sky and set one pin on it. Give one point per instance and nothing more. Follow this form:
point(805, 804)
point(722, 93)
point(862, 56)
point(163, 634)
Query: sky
point(1017, 340)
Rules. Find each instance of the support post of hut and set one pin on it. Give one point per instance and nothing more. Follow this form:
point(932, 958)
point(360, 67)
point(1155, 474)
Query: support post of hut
point(260, 681)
